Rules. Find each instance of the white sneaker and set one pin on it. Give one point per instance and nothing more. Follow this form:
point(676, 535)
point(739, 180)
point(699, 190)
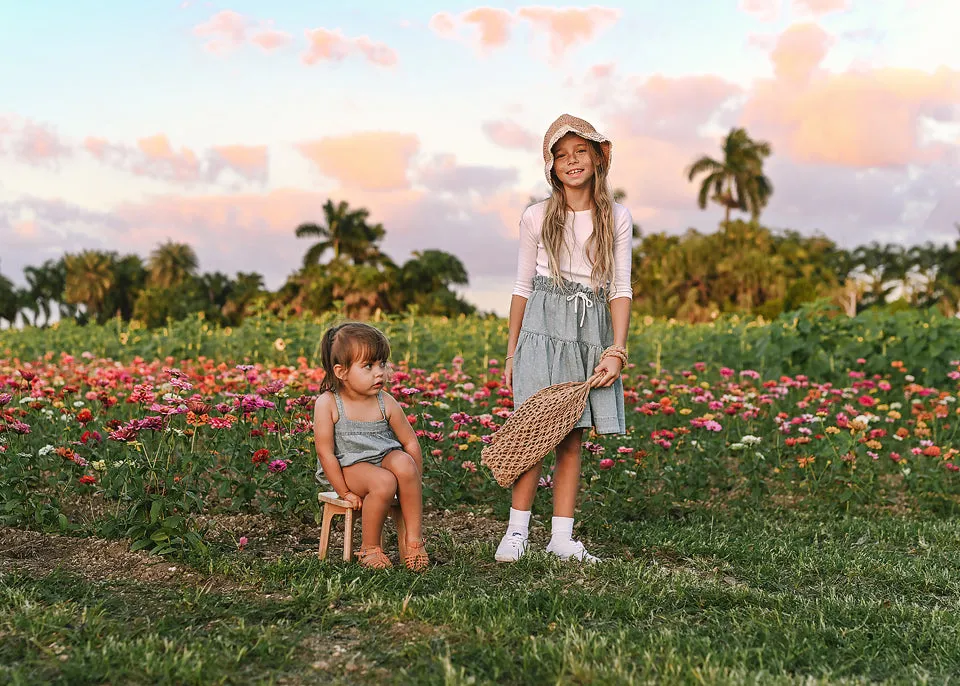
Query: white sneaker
point(512, 546)
point(571, 550)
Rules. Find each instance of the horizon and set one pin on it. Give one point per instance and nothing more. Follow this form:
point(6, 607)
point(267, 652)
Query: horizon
point(212, 125)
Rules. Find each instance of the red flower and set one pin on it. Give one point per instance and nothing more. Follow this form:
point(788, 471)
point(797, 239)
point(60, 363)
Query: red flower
point(86, 480)
point(261, 456)
point(84, 415)
point(867, 400)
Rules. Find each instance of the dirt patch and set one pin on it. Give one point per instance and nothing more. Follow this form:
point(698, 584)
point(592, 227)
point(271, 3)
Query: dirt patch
point(337, 654)
point(93, 559)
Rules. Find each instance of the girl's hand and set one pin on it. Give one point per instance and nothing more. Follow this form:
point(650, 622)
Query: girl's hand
point(610, 367)
point(508, 374)
point(355, 502)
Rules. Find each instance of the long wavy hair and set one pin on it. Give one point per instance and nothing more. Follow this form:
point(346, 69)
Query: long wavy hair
point(348, 343)
point(599, 247)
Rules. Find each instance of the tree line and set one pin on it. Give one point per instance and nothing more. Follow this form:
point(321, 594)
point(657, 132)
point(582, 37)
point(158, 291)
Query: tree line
point(743, 267)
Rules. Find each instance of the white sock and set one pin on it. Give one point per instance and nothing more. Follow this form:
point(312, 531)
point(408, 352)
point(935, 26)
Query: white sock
point(562, 529)
point(519, 521)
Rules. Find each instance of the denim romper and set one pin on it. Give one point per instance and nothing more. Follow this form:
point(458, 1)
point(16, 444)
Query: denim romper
point(355, 441)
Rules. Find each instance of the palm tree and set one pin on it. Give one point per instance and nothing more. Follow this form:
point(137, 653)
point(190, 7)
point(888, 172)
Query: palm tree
point(130, 277)
point(171, 264)
point(9, 303)
point(90, 276)
point(346, 233)
point(737, 181)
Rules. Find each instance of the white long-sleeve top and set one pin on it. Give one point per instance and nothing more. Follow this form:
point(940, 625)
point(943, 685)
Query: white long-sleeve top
point(532, 258)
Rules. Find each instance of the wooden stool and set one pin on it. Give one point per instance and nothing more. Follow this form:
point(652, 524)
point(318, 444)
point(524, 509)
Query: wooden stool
point(334, 506)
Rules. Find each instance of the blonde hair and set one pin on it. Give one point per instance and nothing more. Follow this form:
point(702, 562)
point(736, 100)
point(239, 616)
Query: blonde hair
point(599, 247)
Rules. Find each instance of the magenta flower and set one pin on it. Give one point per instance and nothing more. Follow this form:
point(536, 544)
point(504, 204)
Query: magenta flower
point(5, 398)
point(277, 466)
point(606, 463)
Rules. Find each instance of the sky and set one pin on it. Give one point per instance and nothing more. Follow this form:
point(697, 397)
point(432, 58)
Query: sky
point(225, 125)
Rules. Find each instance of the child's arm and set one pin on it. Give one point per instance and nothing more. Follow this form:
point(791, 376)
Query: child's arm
point(324, 418)
point(402, 429)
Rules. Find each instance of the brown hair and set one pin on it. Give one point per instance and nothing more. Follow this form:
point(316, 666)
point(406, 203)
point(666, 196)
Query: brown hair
point(347, 344)
point(599, 247)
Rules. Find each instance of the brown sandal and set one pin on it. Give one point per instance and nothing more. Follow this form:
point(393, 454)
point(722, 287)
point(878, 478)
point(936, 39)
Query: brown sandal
point(416, 559)
point(373, 558)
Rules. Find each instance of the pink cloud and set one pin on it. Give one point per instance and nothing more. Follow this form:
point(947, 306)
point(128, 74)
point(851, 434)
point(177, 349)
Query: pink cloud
point(799, 50)
point(38, 145)
point(375, 160)
point(566, 27)
point(820, 7)
point(859, 118)
point(325, 45)
point(509, 134)
point(271, 39)
point(764, 10)
point(249, 161)
point(493, 25)
point(31, 142)
point(228, 30)
point(443, 174)
point(155, 157)
point(442, 23)
point(563, 27)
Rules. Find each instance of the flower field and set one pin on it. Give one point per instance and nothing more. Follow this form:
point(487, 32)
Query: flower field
point(140, 448)
point(781, 510)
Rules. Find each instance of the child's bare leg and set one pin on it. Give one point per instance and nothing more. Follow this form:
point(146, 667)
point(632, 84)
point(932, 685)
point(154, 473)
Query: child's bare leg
point(525, 488)
point(566, 477)
point(377, 486)
point(409, 492)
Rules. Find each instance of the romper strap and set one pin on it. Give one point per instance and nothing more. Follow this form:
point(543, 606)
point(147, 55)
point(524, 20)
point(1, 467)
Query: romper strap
point(336, 396)
point(383, 410)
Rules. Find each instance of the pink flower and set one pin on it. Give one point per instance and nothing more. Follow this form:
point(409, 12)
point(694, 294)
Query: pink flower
point(895, 457)
point(242, 543)
point(861, 360)
point(726, 372)
point(623, 450)
point(469, 466)
point(277, 466)
point(700, 366)
point(606, 463)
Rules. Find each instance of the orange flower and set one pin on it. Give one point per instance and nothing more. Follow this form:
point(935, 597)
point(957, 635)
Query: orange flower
point(931, 451)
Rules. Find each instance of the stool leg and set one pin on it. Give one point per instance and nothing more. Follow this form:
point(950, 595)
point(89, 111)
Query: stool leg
point(348, 536)
point(397, 514)
point(325, 531)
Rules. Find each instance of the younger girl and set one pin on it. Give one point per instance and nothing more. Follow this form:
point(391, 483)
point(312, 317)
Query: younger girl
point(365, 445)
point(569, 315)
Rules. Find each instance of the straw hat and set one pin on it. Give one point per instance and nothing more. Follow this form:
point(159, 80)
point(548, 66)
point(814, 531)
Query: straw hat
point(565, 124)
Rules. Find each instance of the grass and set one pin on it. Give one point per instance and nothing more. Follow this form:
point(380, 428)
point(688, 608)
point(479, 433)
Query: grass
point(773, 596)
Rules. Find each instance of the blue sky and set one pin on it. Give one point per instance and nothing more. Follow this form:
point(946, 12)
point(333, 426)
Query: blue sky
point(121, 125)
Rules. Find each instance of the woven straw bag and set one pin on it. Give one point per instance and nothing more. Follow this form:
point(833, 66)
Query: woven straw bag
point(536, 428)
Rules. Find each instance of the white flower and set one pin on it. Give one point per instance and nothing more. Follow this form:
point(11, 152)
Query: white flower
point(751, 440)
point(760, 456)
point(910, 378)
point(78, 403)
point(895, 406)
point(99, 465)
point(632, 475)
point(45, 450)
point(737, 446)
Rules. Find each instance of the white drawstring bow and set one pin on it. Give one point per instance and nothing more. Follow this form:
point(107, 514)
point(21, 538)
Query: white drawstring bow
point(587, 302)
